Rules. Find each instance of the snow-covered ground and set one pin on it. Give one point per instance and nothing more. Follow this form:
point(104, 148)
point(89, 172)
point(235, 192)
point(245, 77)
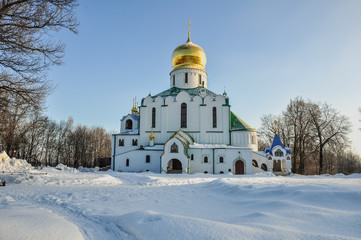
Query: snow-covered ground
point(62, 204)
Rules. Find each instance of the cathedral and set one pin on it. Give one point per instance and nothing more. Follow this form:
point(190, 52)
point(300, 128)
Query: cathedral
point(190, 129)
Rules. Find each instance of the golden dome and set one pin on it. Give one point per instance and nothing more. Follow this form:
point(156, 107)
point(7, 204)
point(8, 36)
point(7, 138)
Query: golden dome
point(189, 55)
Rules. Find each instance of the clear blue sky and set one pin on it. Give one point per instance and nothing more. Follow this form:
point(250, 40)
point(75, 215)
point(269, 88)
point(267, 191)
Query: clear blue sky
point(263, 53)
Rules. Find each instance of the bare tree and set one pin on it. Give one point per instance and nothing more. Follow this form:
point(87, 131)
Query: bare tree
point(26, 26)
point(329, 128)
point(297, 118)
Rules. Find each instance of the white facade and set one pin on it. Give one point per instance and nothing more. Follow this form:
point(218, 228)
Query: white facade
point(187, 129)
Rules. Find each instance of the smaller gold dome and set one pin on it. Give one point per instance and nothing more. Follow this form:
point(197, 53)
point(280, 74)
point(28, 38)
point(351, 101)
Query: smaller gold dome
point(189, 55)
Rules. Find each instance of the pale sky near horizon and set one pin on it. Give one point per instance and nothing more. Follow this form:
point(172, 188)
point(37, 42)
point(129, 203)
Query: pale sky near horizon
point(263, 53)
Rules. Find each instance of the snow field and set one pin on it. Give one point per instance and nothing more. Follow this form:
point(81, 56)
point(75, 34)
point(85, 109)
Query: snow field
point(112, 205)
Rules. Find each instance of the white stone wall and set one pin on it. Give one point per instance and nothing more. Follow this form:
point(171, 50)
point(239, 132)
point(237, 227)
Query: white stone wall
point(137, 161)
point(193, 78)
point(261, 159)
point(230, 156)
point(245, 139)
point(199, 118)
point(116, 149)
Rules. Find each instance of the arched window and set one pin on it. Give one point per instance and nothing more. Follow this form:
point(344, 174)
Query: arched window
point(205, 172)
point(221, 160)
point(174, 148)
point(264, 167)
point(192, 157)
point(147, 159)
point(254, 163)
point(186, 78)
point(221, 172)
point(200, 79)
point(183, 115)
point(127, 162)
point(153, 117)
point(205, 160)
point(279, 153)
point(129, 124)
point(121, 142)
point(135, 142)
point(173, 80)
point(214, 117)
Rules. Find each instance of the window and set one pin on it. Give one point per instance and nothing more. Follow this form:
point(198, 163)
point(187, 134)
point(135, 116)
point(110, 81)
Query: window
point(186, 78)
point(200, 79)
point(129, 124)
point(254, 163)
point(221, 160)
point(147, 159)
point(221, 172)
point(279, 153)
point(269, 158)
point(183, 115)
point(205, 159)
point(153, 117)
point(174, 148)
point(288, 158)
point(173, 80)
point(192, 157)
point(264, 167)
point(205, 172)
point(121, 142)
point(214, 117)
point(127, 162)
point(135, 142)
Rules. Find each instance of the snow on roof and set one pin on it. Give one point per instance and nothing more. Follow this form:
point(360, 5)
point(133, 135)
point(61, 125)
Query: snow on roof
point(134, 116)
point(130, 132)
point(199, 145)
point(155, 147)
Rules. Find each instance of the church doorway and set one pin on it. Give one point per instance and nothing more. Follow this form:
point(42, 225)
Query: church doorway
point(239, 167)
point(174, 166)
point(277, 166)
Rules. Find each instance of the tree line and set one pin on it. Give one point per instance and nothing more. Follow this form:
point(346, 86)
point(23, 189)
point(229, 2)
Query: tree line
point(317, 135)
point(45, 142)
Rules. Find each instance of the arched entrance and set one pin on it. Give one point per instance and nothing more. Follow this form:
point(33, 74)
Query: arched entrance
point(239, 167)
point(277, 166)
point(174, 166)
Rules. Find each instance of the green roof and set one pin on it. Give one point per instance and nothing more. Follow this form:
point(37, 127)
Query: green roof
point(238, 124)
point(192, 91)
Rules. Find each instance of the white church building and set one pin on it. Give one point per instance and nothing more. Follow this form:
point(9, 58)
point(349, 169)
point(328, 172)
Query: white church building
point(190, 129)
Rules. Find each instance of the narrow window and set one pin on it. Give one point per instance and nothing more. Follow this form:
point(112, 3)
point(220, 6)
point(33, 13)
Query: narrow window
point(214, 117)
point(205, 160)
point(147, 159)
point(200, 79)
point(121, 142)
point(174, 148)
point(205, 172)
point(127, 163)
point(153, 117)
point(173, 80)
point(186, 78)
point(129, 124)
point(220, 159)
point(183, 115)
point(135, 142)
point(192, 157)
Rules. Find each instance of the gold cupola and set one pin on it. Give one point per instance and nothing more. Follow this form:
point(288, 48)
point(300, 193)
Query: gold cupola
point(189, 55)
